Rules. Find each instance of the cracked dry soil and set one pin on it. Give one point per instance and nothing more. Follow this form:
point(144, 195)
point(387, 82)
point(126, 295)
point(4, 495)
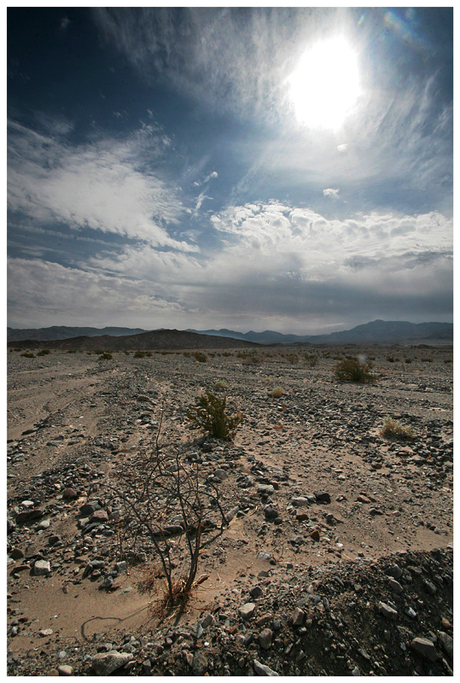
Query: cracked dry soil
point(338, 556)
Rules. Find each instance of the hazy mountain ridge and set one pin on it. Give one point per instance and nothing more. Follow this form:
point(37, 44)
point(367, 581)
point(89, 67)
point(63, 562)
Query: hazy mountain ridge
point(378, 331)
point(63, 332)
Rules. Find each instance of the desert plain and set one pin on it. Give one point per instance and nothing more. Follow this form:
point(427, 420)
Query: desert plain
point(336, 558)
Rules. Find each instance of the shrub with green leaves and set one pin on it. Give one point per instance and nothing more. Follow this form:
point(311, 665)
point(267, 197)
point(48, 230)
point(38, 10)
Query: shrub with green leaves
point(139, 354)
point(105, 356)
point(393, 429)
point(209, 414)
point(44, 352)
point(28, 354)
point(200, 357)
point(352, 370)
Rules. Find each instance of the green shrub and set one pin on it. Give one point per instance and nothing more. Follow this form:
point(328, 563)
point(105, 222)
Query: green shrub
point(394, 429)
point(105, 356)
point(351, 370)
point(391, 359)
point(292, 358)
point(221, 384)
point(209, 414)
point(408, 360)
point(28, 354)
point(139, 354)
point(200, 357)
point(311, 359)
point(44, 352)
point(277, 392)
point(427, 360)
point(74, 351)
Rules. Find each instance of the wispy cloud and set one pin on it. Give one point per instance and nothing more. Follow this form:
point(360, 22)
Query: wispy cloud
point(105, 185)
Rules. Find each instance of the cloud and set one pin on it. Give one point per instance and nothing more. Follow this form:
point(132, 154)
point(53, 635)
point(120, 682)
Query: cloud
point(106, 185)
point(329, 192)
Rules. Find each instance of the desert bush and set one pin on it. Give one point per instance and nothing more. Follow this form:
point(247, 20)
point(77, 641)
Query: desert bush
point(209, 414)
point(105, 356)
point(408, 360)
point(292, 358)
point(276, 392)
point(394, 429)
point(311, 358)
point(186, 354)
point(74, 351)
point(139, 354)
point(200, 357)
point(352, 370)
point(221, 384)
point(28, 354)
point(427, 360)
point(44, 352)
point(169, 499)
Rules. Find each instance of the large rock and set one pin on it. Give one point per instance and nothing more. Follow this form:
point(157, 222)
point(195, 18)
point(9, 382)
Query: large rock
point(263, 669)
point(425, 648)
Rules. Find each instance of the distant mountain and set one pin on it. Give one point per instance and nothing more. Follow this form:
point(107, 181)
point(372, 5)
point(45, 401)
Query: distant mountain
point(63, 332)
point(113, 338)
point(378, 331)
point(147, 341)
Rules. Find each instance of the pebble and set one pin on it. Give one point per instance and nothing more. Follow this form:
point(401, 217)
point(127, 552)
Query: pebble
point(246, 611)
point(42, 568)
point(263, 669)
point(265, 638)
point(387, 611)
point(104, 664)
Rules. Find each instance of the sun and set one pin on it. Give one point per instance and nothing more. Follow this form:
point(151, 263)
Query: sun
point(325, 84)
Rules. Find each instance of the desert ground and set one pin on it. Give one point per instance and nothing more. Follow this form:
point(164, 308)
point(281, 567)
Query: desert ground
point(336, 557)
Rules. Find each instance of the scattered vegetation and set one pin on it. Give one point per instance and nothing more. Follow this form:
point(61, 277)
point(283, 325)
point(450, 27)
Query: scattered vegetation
point(352, 370)
point(427, 360)
point(311, 358)
point(105, 356)
point(221, 384)
point(139, 354)
point(200, 357)
point(44, 352)
point(391, 359)
point(393, 429)
point(28, 354)
point(292, 358)
point(209, 414)
point(276, 392)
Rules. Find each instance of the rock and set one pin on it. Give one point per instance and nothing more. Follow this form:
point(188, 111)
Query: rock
point(387, 611)
point(99, 516)
point(28, 516)
point(394, 571)
point(395, 586)
point(200, 664)
point(363, 499)
point(263, 669)
point(42, 568)
point(104, 664)
point(65, 670)
point(69, 494)
point(447, 643)
point(315, 535)
point(247, 610)
point(430, 587)
point(45, 632)
point(265, 489)
point(300, 501)
point(270, 512)
point(322, 497)
point(265, 638)
point(256, 592)
point(298, 617)
point(425, 648)
point(16, 554)
point(220, 474)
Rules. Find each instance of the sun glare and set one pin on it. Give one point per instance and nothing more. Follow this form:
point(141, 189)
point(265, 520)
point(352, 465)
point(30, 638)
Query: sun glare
point(325, 84)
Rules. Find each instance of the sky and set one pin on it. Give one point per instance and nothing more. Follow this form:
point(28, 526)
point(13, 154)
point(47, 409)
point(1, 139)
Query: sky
point(245, 168)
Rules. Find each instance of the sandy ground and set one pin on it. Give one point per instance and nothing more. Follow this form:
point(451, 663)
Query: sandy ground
point(320, 435)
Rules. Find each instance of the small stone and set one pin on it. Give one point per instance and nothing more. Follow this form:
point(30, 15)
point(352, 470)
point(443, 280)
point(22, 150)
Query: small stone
point(395, 586)
point(447, 643)
point(69, 494)
point(103, 664)
point(315, 535)
point(45, 632)
point(430, 587)
point(200, 664)
point(265, 638)
point(99, 516)
point(363, 499)
point(387, 611)
point(394, 571)
point(16, 554)
point(270, 512)
point(42, 568)
point(298, 617)
point(263, 669)
point(300, 501)
point(247, 610)
point(256, 592)
point(425, 648)
point(65, 670)
point(265, 489)
point(322, 496)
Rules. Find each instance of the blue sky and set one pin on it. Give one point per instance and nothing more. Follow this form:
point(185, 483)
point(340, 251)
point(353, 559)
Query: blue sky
point(191, 168)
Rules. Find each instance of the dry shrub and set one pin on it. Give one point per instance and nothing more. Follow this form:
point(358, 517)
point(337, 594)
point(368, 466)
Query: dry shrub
point(393, 429)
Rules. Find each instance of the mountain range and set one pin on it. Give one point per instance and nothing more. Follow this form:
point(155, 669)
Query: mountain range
point(378, 331)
